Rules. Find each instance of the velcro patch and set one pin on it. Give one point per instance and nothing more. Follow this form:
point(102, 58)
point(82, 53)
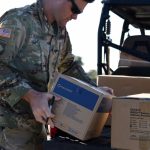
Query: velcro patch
point(5, 32)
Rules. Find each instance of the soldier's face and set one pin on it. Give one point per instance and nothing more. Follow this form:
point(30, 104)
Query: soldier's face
point(67, 10)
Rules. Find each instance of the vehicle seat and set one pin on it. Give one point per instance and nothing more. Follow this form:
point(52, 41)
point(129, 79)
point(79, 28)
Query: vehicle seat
point(131, 65)
point(138, 43)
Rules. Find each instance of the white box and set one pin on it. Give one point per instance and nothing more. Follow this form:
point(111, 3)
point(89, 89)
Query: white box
point(130, 127)
point(83, 110)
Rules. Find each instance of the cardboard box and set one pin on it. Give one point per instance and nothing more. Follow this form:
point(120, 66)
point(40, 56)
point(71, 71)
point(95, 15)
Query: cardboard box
point(83, 110)
point(131, 61)
point(125, 85)
point(131, 122)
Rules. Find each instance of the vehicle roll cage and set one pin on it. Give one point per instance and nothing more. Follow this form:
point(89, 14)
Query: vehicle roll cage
point(133, 12)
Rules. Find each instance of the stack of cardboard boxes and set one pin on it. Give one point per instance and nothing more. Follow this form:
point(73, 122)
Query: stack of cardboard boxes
point(130, 121)
point(84, 110)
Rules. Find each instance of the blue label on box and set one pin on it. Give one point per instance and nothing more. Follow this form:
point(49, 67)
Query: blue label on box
point(76, 93)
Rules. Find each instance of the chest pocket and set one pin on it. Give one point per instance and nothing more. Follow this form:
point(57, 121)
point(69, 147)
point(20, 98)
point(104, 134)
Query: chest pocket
point(55, 54)
point(34, 56)
point(45, 52)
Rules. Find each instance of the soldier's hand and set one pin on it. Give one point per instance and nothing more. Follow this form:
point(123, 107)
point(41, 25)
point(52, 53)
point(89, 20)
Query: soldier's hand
point(107, 89)
point(39, 105)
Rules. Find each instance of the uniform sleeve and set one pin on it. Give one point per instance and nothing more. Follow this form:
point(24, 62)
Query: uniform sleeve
point(71, 67)
point(12, 37)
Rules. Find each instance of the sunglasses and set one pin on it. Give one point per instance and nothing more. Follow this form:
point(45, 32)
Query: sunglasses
point(75, 9)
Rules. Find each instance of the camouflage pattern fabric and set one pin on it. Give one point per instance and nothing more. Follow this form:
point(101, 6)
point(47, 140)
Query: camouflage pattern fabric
point(31, 53)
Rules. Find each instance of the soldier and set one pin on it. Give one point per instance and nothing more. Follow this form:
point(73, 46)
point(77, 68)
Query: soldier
point(34, 46)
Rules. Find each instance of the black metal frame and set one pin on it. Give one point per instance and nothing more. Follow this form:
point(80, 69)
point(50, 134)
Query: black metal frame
point(132, 14)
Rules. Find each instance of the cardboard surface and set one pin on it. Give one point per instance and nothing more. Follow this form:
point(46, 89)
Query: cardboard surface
point(125, 85)
point(133, 63)
point(129, 60)
point(131, 122)
point(83, 110)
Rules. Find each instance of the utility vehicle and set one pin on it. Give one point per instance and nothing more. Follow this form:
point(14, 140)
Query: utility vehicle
point(134, 49)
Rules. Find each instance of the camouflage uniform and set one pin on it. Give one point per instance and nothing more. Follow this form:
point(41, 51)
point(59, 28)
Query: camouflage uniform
point(31, 52)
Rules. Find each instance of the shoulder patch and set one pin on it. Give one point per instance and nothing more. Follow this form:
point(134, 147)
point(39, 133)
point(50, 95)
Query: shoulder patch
point(5, 32)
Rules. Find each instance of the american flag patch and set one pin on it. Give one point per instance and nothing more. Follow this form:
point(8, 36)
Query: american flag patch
point(5, 32)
